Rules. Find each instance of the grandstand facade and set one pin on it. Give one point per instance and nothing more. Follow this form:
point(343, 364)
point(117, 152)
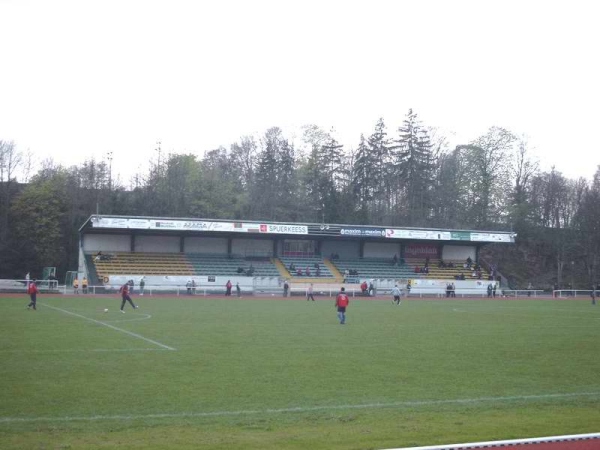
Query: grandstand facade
point(114, 249)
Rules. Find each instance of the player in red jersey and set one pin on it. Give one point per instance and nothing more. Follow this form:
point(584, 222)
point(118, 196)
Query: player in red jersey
point(32, 290)
point(341, 302)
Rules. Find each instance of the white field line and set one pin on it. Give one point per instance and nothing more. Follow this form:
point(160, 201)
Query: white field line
point(130, 333)
point(74, 350)
point(511, 442)
point(142, 317)
point(300, 409)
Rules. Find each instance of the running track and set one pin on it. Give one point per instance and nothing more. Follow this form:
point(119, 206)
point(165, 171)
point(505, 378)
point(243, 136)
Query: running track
point(572, 442)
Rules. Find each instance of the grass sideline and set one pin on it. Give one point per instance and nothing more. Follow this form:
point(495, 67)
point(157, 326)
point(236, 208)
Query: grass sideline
point(270, 373)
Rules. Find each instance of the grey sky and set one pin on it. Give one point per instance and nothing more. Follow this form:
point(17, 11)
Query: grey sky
point(82, 78)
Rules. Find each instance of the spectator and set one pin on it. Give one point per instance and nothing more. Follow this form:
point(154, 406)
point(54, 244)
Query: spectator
point(228, 286)
point(286, 288)
point(309, 293)
point(395, 260)
point(364, 287)
point(307, 271)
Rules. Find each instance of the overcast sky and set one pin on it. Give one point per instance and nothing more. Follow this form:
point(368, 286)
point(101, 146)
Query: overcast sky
point(83, 78)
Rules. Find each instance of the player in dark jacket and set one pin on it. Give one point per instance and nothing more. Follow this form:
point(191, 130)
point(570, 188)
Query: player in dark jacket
point(125, 297)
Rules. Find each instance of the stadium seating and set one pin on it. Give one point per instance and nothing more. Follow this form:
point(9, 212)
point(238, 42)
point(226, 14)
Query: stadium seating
point(301, 263)
point(122, 263)
point(375, 268)
point(233, 265)
point(442, 273)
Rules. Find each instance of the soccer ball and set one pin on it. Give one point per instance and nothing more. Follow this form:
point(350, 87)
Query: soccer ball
point(105, 310)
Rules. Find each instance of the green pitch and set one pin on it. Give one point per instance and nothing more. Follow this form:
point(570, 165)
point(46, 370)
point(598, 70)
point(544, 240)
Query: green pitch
point(258, 373)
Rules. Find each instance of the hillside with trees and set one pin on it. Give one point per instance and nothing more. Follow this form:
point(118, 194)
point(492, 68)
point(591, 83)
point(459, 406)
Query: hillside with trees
point(398, 175)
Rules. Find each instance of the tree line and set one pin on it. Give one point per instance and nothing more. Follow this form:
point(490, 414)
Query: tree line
point(405, 175)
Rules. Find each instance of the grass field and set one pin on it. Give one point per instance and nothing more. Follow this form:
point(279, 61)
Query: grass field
point(269, 373)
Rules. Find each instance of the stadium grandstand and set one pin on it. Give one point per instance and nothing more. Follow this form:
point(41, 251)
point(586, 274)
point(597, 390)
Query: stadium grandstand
point(171, 253)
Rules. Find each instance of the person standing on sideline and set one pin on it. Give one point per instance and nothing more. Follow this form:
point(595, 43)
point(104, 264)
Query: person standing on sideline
point(341, 303)
point(142, 285)
point(84, 285)
point(396, 293)
point(593, 295)
point(286, 288)
point(32, 290)
point(228, 287)
point(309, 293)
point(124, 290)
point(238, 290)
point(75, 286)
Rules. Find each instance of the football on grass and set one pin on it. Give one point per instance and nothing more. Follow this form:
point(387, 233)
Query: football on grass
point(105, 309)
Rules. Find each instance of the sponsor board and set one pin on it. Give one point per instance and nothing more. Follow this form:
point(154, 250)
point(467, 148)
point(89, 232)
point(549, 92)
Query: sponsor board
point(417, 234)
point(283, 229)
point(374, 232)
point(491, 237)
point(424, 250)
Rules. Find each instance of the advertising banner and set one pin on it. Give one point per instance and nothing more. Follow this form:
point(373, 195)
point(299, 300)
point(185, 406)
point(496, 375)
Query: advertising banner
point(417, 234)
point(421, 250)
point(365, 232)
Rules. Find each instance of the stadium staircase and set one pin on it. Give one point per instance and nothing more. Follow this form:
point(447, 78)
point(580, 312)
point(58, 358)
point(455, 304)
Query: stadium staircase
point(336, 273)
point(283, 272)
point(93, 278)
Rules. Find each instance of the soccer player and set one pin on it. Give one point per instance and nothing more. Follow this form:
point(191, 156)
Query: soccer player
point(341, 302)
point(396, 293)
point(309, 293)
point(32, 290)
point(124, 290)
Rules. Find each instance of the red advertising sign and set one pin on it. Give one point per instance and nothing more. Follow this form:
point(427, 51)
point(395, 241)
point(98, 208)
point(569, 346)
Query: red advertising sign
point(418, 250)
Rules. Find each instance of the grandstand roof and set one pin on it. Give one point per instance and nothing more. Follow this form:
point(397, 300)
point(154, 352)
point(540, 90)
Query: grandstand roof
point(215, 227)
